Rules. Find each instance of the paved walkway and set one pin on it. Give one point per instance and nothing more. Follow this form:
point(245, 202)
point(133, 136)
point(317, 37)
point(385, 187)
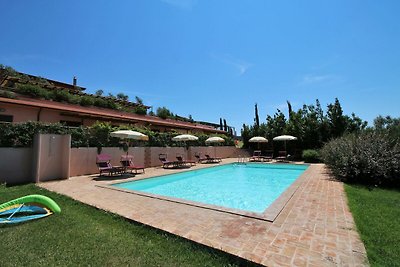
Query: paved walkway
point(315, 228)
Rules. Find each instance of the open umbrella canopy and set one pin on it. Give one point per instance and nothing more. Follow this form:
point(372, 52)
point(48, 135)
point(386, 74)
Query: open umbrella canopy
point(215, 139)
point(128, 134)
point(185, 137)
point(285, 138)
point(258, 139)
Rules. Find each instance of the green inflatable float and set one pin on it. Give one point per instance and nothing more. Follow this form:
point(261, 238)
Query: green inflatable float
point(27, 208)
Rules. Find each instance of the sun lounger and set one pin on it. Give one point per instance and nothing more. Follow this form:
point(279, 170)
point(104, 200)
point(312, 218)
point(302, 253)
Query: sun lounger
point(282, 156)
point(166, 163)
point(269, 155)
point(127, 164)
point(183, 162)
point(256, 156)
point(212, 159)
point(200, 159)
point(104, 165)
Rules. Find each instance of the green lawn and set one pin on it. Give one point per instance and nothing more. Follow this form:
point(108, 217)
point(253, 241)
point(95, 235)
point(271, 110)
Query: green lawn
point(377, 216)
point(83, 236)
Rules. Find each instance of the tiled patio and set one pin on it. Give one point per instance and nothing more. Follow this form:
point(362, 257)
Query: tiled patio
point(315, 228)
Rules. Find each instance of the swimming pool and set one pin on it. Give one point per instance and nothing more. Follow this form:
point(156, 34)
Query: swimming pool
point(249, 187)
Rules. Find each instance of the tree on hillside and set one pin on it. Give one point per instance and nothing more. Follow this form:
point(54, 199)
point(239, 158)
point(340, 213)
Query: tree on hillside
point(256, 120)
point(336, 120)
point(225, 126)
point(246, 135)
point(122, 96)
point(221, 127)
point(289, 110)
point(139, 100)
point(163, 113)
point(354, 123)
point(276, 125)
point(392, 125)
point(99, 92)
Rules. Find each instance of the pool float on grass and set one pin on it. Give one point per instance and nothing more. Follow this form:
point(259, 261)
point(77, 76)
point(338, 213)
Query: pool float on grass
point(27, 208)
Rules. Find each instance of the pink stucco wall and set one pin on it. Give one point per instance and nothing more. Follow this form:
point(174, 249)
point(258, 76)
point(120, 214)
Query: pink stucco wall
point(51, 157)
point(83, 159)
point(15, 165)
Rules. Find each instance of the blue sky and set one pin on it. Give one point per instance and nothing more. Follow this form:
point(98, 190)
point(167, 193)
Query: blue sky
point(215, 59)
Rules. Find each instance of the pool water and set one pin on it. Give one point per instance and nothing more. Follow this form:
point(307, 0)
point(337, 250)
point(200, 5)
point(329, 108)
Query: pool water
point(251, 187)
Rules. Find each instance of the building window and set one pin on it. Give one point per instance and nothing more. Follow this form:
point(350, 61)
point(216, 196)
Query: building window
point(6, 118)
point(71, 123)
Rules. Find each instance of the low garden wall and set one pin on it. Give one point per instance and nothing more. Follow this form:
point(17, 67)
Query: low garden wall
point(83, 160)
point(51, 158)
point(16, 165)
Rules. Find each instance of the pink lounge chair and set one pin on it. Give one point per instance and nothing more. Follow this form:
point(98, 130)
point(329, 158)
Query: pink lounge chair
point(104, 165)
point(182, 161)
point(127, 164)
point(268, 155)
point(166, 163)
point(200, 159)
point(282, 156)
point(256, 156)
point(213, 159)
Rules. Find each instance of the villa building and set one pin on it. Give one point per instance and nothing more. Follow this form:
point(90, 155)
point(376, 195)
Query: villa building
point(16, 107)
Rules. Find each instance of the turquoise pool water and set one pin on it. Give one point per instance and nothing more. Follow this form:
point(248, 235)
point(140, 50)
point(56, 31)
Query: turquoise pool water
point(250, 187)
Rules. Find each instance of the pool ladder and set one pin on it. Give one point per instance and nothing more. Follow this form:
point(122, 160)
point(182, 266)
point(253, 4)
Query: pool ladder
point(241, 159)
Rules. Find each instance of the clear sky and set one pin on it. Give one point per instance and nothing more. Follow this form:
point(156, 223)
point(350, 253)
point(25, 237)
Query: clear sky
point(215, 58)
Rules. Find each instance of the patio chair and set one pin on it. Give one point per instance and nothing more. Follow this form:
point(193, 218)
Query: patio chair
point(282, 156)
point(127, 164)
point(256, 156)
point(166, 163)
point(212, 159)
point(183, 162)
point(269, 155)
point(199, 158)
point(104, 165)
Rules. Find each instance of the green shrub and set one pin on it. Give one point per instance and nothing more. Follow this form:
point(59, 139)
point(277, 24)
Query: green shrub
point(370, 158)
point(100, 102)
point(7, 94)
point(140, 110)
point(61, 95)
point(33, 90)
point(311, 156)
point(86, 101)
point(74, 99)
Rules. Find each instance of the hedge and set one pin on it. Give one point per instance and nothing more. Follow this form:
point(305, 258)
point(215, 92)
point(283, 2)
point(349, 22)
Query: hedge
point(97, 135)
point(370, 158)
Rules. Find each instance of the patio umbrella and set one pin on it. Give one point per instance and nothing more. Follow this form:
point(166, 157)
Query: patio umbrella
point(213, 140)
point(285, 138)
point(129, 134)
point(185, 137)
point(258, 140)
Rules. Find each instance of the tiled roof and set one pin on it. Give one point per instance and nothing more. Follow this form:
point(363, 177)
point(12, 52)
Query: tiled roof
point(108, 114)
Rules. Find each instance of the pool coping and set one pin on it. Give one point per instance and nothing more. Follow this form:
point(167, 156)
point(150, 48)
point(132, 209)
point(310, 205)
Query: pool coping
point(269, 214)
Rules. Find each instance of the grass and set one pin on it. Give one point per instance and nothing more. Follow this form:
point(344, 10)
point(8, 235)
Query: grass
point(377, 216)
point(84, 236)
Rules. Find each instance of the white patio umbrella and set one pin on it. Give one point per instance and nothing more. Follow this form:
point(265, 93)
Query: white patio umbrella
point(258, 140)
point(213, 140)
point(129, 134)
point(285, 138)
point(185, 137)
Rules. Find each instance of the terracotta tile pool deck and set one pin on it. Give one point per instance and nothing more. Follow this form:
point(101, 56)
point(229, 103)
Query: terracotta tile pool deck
point(315, 227)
